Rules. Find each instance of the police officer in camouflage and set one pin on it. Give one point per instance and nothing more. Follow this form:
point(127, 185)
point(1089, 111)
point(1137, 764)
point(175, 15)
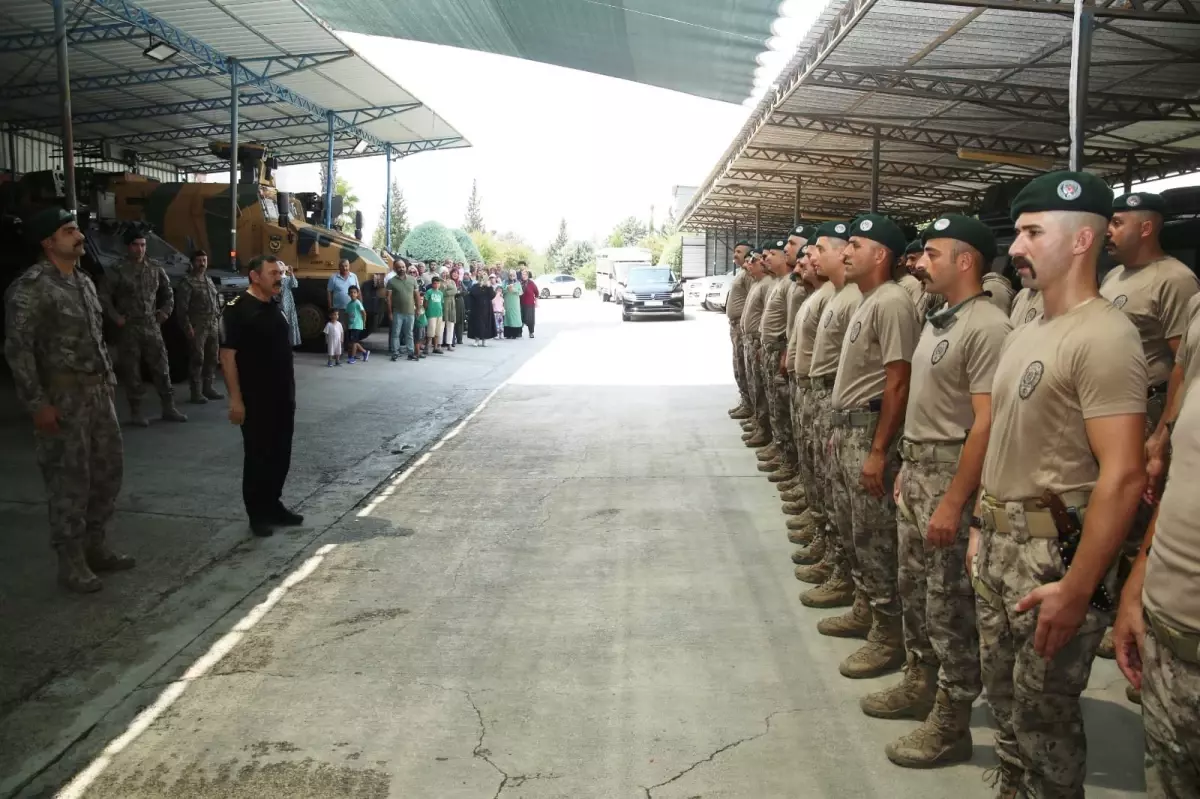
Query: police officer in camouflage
point(946, 429)
point(735, 303)
point(54, 344)
point(139, 299)
point(199, 307)
point(1064, 463)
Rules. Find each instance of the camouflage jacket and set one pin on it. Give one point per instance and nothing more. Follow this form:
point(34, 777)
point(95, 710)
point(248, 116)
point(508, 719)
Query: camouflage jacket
point(53, 326)
point(197, 301)
point(138, 291)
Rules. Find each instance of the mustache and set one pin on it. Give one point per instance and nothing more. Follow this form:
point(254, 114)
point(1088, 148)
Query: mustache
point(1021, 262)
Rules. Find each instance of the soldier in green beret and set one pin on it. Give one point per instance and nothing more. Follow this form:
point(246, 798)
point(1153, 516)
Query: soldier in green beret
point(795, 290)
point(908, 279)
point(780, 457)
point(735, 303)
point(759, 434)
point(1065, 457)
point(54, 344)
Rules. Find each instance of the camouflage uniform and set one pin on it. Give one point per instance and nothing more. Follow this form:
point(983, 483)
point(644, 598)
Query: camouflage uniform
point(199, 307)
point(138, 292)
point(735, 304)
point(54, 344)
point(1171, 714)
point(868, 523)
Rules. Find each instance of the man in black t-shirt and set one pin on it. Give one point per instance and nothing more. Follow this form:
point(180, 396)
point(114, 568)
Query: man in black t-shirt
point(256, 358)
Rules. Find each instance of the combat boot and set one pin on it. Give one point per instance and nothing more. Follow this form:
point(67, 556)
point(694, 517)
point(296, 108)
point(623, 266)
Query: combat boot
point(783, 473)
point(801, 536)
point(813, 553)
point(836, 592)
point(944, 738)
point(211, 393)
point(796, 497)
point(854, 623)
point(736, 409)
point(749, 434)
point(196, 397)
point(73, 572)
point(102, 559)
point(759, 439)
point(816, 574)
point(769, 466)
point(136, 418)
point(883, 652)
point(1107, 650)
point(169, 412)
point(911, 698)
point(794, 508)
point(742, 413)
point(1006, 779)
point(769, 453)
point(789, 486)
point(799, 523)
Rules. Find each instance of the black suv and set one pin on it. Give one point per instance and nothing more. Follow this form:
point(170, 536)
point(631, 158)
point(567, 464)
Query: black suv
point(651, 291)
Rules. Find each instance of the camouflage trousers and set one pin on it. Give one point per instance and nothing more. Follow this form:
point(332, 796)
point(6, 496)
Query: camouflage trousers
point(739, 363)
point(1035, 701)
point(202, 352)
point(867, 523)
point(141, 342)
point(756, 376)
point(780, 403)
point(802, 437)
point(1171, 716)
point(823, 460)
point(82, 464)
point(936, 597)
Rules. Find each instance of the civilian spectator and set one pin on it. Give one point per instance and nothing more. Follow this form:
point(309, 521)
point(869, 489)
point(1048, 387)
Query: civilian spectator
point(357, 324)
point(529, 300)
point(480, 323)
point(512, 306)
point(287, 302)
point(333, 340)
point(338, 289)
point(460, 306)
point(434, 306)
point(402, 308)
point(497, 303)
point(449, 309)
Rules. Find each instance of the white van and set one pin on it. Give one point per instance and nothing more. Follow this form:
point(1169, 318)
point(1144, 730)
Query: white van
point(612, 269)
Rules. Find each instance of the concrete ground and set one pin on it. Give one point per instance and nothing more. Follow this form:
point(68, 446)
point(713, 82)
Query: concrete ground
point(584, 591)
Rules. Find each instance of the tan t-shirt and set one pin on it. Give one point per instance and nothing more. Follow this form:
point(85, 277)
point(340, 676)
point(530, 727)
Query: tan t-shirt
point(883, 330)
point(1173, 566)
point(804, 328)
point(735, 303)
point(1154, 298)
point(914, 287)
point(798, 290)
point(1027, 306)
point(1189, 343)
point(949, 365)
point(1001, 291)
point(756, 300)
point(832, 327)
point(1052, 376)
point(774, 316)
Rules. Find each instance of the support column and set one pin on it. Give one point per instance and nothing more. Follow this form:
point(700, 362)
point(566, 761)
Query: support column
point(796, 206)
point(1081, 63)
point(732, 245)
point(1130, 163)
point(64, 103)
point(387, 200)
point(233, 164)
point(757, 226)
point(329, 177)
point(875, 173)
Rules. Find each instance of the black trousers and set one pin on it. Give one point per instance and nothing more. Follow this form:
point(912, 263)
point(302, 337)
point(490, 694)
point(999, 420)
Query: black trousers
point(267, 442)
point(529, 316)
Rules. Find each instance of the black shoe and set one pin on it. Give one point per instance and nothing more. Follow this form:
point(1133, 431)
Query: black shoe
point(286, 518)
point(261, 529)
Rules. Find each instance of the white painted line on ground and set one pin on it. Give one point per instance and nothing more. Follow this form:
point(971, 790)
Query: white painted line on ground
point(222, 647)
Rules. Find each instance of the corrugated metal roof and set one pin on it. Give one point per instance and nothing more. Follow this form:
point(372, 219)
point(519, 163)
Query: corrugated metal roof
point(930, 78)
point(169, 112)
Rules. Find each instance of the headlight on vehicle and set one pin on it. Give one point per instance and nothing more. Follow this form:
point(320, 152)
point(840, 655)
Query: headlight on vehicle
point(676, 294)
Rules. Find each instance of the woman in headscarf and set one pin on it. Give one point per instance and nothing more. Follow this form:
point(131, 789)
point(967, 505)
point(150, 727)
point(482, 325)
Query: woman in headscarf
point(460, 303)
point(529, 299)
point(512, 306)
point(450, 289)
point(480, 325)
point(287, 303)
point(497, 303)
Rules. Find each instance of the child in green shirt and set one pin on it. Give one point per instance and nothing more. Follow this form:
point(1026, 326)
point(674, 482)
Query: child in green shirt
point(356, 322)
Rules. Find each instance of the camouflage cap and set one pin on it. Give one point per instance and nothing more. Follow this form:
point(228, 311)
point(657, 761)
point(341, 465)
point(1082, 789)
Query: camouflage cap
point(834, 230)
point(45, 224)
point(1140, 201)
point(966, 229)
point(1065, 191)
point(879, 228)
point(806, 232)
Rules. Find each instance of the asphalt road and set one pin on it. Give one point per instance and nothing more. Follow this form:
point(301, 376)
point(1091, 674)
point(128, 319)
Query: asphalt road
point(580, 587)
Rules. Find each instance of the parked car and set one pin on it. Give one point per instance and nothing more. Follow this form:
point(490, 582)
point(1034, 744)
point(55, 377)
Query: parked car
point(652, 291)
point(558, 286)
point(717, 292)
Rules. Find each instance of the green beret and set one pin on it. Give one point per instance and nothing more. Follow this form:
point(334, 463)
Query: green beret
point(756, 251)
point(1065, 191)
point(45, 224)
point(775, 244)
point(806, 232)
point(966, 229)
point(743, 243)
point(834, 230)
point(915, 246)
point(1140, 201)
point(879, 228)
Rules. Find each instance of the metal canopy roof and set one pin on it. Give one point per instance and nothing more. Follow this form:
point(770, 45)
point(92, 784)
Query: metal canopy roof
point(934, 79)
point(292, 70)
point(703, 47)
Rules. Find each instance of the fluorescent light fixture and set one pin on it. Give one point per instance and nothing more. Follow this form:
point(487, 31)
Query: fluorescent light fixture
point(361, 147)
point(1042, 162)
point(160, 51)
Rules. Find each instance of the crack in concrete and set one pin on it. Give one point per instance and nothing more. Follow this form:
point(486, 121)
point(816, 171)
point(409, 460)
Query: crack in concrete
point(767, 722)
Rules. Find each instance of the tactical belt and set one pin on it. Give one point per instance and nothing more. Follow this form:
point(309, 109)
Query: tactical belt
point(1038, 520)
point(67, 380)
point(853, 418)
point(822, 382)
point(937, 452)
point(1185, 646)
point(1156, 391)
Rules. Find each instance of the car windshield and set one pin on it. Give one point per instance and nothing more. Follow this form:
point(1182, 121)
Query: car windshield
point(644, 276)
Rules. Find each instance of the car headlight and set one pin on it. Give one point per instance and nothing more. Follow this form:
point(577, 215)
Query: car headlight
point(676, 294)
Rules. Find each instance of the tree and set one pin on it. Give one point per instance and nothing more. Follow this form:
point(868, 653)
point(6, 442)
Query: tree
point(474, 221)
point(671, 226)
point(399, 220)
point(574, 257)
point(628, 232)
point(470, 251)
point(489, 249)
point(672, 252)
point(653, 243)
point(560, 241)
point(342, 188)
point(324, 174)
point(431, 242)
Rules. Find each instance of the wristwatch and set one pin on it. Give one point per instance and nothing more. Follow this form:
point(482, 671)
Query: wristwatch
point(977, 522)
